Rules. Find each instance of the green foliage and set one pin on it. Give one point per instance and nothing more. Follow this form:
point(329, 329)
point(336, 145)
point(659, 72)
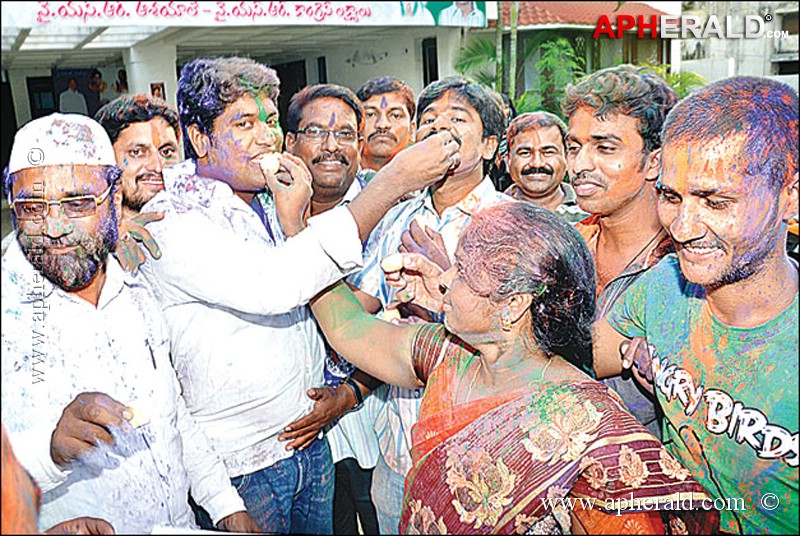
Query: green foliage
point(558, 66)
point(478, 61)
point(683, 82)
point(530, 101)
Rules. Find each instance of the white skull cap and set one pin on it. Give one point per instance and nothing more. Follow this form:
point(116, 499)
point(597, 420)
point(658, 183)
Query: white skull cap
point(61, 139)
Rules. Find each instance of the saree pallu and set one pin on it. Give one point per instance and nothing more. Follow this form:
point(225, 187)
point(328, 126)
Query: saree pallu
point(503, 464)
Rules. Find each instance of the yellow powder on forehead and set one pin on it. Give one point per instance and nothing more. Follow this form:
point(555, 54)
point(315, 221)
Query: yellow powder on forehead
point(719, 158)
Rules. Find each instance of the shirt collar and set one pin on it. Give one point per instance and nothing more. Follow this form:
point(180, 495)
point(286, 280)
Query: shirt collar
point(468, 204)
point(352, 192)
point(569, 194)
point(183, 181)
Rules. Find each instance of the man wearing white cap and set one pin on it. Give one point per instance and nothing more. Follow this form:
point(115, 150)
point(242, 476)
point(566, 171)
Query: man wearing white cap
point(89, 397)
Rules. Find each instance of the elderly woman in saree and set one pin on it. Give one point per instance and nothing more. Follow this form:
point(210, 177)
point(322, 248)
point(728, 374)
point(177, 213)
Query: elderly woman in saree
point(511, 426)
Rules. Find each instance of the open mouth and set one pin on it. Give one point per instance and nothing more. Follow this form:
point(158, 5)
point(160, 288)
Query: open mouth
point(698, 252)
point(152, 181)
point(330, 162)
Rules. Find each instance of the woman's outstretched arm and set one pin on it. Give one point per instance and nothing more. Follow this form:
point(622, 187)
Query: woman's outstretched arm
point(378, 348)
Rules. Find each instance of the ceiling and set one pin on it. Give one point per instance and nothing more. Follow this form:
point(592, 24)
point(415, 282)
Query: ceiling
point(67, 47)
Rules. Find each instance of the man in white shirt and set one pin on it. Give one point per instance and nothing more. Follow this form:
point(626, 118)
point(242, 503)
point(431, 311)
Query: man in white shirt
point(72, 101)
point(89, 398)
point(462, 14)
point(244, 345)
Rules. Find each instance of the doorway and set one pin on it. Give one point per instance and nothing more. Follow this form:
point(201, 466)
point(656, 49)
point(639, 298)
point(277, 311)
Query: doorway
point(293, 79)
point(42, 96)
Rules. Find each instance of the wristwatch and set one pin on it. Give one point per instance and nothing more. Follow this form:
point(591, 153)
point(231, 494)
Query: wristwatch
point(356, 391)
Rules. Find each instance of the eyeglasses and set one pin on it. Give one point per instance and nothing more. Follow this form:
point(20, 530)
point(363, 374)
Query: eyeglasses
point(320, 135)
point(79, 206)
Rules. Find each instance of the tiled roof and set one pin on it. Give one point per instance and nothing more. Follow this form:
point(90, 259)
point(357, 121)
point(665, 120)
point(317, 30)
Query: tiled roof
point(536, 13)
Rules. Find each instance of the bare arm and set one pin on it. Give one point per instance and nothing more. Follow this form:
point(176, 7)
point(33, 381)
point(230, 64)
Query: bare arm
point(368, 301)
point(379, 348)
point(606, 343)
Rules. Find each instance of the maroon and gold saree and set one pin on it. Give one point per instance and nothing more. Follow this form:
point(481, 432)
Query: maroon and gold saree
point(503, 464)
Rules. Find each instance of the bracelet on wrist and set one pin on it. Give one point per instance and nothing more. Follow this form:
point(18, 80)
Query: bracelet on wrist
point(356, 392)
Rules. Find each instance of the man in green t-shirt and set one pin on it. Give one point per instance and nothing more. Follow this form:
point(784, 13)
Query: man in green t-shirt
point(713, 329)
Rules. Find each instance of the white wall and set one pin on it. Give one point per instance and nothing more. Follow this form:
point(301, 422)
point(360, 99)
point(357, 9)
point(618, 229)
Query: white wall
point(404, 61)
point(150, 64)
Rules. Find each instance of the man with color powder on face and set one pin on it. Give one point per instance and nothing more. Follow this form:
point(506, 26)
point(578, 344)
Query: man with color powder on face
point(324, 126)
point(91, 403)
point(145, 133)
point(613, 148)
point(467, 110)
point(389, 124)
point(713, 329)
point(244, 344)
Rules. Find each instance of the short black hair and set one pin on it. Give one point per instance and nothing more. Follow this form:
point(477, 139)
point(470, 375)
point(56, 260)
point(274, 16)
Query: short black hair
point(637, 92)
point(476, 96)
point(319, 91)
point(533, 121)
point(388, 84)
point(118, 114)
point(208, 85)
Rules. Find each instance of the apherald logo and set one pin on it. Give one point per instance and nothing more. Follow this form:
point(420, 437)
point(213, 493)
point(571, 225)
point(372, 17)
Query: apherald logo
point(674, 27)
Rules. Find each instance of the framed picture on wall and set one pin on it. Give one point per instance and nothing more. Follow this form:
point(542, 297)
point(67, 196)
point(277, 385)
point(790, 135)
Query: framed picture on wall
point(157, 89)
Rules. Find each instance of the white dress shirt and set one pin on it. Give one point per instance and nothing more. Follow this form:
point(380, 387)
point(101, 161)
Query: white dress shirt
point(56, 346)
point(244, 345)
point(72, 102)
point(452, 16)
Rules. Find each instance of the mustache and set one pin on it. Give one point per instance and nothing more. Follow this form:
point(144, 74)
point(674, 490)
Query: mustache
point(377, 133)
point(588, 177)
point(535, 170)
point(452, 132)
point(331, 156)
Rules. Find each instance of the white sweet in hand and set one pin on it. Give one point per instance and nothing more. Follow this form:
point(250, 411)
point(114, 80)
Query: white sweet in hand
point(140, 417)
point(387, 315)
point(392, 263)
point(270, 163)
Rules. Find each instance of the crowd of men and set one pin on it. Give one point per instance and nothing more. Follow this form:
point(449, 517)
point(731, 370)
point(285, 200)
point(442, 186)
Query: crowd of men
point(161, 365)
